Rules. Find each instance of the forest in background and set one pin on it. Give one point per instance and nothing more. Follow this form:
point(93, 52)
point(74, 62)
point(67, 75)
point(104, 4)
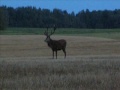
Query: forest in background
point(33, 17)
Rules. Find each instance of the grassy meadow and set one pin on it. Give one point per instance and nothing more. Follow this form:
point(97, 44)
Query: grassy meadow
point(105, 33)
point(92, 63)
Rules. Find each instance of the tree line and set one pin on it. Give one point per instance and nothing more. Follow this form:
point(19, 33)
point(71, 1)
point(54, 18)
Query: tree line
point(39, 18)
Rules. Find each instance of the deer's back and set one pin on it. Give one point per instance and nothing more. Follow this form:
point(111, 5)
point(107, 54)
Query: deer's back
point(58, 44)
point(62, 42)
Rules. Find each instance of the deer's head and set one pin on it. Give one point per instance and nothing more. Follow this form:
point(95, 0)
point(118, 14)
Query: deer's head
point(46, 33)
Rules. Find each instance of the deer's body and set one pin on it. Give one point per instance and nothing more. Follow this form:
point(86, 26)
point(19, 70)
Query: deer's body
point(56, 45)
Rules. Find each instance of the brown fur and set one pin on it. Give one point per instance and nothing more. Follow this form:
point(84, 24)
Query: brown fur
point(55, 45)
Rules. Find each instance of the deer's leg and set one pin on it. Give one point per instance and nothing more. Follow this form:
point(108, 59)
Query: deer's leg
point(56, 54)
point(64, 52)
point(53, 54)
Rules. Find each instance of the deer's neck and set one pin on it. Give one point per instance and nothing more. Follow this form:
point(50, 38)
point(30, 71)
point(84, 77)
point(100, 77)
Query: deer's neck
point(50, 43)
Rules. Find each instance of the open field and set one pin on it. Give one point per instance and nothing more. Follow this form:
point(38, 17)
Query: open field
point(34, 46)
point(92, 63)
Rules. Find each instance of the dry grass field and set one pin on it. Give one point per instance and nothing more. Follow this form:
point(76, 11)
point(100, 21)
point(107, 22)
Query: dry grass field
point(26, 64)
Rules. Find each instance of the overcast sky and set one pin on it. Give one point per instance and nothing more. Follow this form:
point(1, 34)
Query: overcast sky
point(69, 5)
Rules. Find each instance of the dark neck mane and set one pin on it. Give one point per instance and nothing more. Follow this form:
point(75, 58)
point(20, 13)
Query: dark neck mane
point(50, 43)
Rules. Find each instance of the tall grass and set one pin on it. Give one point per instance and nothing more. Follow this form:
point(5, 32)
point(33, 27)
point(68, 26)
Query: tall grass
point(83, 74)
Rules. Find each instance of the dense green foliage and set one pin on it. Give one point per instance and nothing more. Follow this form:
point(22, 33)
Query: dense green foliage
point(3, 18)
point(40, 18)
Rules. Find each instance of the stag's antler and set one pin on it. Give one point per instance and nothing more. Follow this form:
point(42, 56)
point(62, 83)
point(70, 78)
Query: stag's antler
point(52, 32)
point(55, 27)
point(46, 31)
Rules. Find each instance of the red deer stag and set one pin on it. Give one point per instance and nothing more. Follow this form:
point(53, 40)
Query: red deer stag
point(55, 45)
